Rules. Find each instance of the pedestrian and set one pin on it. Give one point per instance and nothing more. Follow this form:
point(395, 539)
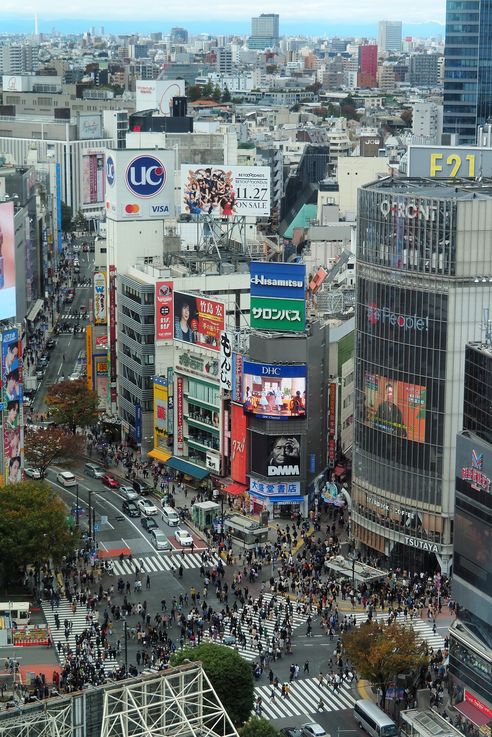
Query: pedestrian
point(306, 667)
point(321, 705)
point(147, 583)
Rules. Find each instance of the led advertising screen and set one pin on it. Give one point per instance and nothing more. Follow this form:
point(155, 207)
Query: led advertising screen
point(274, 392)
point(224, 191)
point(239, 435)
point(7, 261)
point(395, 407)
point(198, 320)
point(472, 546)
point(12, 397)
point(164, 310)
point(276, 456)
point(93, 178)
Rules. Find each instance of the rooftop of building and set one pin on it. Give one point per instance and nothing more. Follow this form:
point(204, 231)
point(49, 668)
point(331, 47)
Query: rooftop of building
point(463, 189)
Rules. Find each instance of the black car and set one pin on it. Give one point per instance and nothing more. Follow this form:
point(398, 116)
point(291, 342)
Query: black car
point(141, 487)
point(148, 523)
point(291, 732)
point(50, 344)
point(131, 509)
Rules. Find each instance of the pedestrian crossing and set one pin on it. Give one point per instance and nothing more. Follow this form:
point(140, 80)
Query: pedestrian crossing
point(304, 699)
point(165, 562)
point(250, 650)
point(421, 627)
point(79, 624)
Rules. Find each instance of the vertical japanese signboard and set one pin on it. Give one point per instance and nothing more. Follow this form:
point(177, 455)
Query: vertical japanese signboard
point(225, 363)
point(164, 320)
point(112, 334)
point(179, 416)
point(332, 424)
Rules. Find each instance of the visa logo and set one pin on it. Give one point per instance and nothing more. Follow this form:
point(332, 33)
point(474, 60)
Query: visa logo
point(160, 208)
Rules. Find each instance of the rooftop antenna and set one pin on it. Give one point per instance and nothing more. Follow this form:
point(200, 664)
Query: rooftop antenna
point(487, 328)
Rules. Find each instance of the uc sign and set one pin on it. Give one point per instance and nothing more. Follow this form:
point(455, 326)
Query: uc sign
point(145, 176)
point(449, 162)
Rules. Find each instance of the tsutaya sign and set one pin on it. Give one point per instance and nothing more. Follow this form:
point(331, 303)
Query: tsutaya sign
point(403, 208)
point(416, 542)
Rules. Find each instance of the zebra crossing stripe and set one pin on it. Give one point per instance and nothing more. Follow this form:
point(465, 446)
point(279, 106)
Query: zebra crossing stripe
point(158, 563)
point(420, 626)
point(303, 699)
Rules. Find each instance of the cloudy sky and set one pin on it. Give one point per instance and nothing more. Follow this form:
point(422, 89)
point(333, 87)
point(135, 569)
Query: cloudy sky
point(166, 11)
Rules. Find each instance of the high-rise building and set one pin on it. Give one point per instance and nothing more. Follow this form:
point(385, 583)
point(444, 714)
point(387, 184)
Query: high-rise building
point(264, 31)
point(470, 652)
point(423, 70)
point(467, 61)
point(368, 65)
point(224, 61)
point(423, 270)
point(427, 123)
point(178, 35)
point(389, 35)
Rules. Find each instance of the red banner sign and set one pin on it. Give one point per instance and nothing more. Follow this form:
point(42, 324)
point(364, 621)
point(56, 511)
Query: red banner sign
point(239, 439)
point(332, 425)
point(112, 331)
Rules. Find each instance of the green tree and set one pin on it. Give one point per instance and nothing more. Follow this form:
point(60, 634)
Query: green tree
point(226, 95)
point(407, 116)
point(66, 217)
point(45, 446)
point(256, 727)
point(194, 92)
point(216, 94)
point(79, 221)
point(229, 674)
point(207, 90)
point(33, 527)
point(381, 651)
point(72, 404)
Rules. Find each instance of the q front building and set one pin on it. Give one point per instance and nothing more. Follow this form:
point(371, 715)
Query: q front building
point(424, 273)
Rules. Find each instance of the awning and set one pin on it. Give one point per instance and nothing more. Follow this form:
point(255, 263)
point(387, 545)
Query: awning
point(35, 310)
point(160, 455)
point(473, 714)
point(189, 468)
point(277, 498)
point(235, 489)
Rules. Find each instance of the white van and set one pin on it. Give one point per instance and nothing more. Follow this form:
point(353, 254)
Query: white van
point(373, 720)
point(170, 516)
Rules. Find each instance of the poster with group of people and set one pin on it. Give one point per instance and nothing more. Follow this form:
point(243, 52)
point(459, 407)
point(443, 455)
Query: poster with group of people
point(12, 396)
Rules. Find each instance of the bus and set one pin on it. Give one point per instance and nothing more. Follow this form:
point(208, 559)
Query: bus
point(373, 720)
point(17, 611)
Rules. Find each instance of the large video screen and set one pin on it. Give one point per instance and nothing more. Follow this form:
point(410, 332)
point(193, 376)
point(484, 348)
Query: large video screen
point(276, 456)
point(7, 261)
point(395, 407)
point(273, 391)
point(472, 546)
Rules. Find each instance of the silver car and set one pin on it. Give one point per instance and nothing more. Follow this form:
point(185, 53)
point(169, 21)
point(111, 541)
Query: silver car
point(128, 493)
point(159, 540)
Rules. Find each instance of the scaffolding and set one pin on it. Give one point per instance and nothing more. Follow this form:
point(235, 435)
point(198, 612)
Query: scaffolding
point(38, 722)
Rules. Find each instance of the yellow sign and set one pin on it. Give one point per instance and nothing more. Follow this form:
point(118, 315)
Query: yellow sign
point(88, 355)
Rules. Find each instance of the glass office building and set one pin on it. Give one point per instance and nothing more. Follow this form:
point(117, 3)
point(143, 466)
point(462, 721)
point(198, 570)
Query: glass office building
point(467, 67)
point(470, 657)
point(423, 270)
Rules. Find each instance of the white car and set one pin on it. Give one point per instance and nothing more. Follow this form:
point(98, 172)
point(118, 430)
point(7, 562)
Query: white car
point(313, 730)
point(183, 537)
point(75, 248)
point(32, 473)
point(159, 540)
point(147, 507)
point(65, 478)
point(128, 493)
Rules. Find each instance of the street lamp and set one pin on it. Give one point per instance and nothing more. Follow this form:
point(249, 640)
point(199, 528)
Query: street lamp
point(126, 647)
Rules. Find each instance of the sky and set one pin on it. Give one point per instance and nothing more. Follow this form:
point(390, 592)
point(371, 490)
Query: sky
point(317, 17)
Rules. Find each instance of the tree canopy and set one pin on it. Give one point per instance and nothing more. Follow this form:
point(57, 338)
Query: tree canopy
point(229, 674)
point(72, 404)
point(44, 446)
point(258, 727)
point(381, 651)
point(33, 527)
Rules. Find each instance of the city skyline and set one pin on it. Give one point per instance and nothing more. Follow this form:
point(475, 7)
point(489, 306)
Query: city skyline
point(361, 13)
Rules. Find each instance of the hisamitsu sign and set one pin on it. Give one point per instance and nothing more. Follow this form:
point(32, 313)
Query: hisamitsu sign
point(277, 280)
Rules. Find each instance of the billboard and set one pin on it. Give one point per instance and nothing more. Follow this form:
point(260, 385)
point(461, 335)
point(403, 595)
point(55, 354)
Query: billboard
point(274, 392)
point(237, 377)
point(158, 94)
point(100, 298)
point(275, 455)
point(112, 335)
point(164, 310)
point(7, 261)
point(12, 398)
point(239, 447)
point(277, 280)
point(90, 126)
point(93, 178)
point(269, 488)
point(449, 162)
point(472, 546)
point(278, 315)
point(161, 400)
point(224, 191)
point(198, 320)
point(179, 415)
point(332, 424)
point(139, 184)
point(395, 407)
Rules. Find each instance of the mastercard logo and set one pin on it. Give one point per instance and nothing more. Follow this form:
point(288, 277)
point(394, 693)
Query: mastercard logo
point(132, 209)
